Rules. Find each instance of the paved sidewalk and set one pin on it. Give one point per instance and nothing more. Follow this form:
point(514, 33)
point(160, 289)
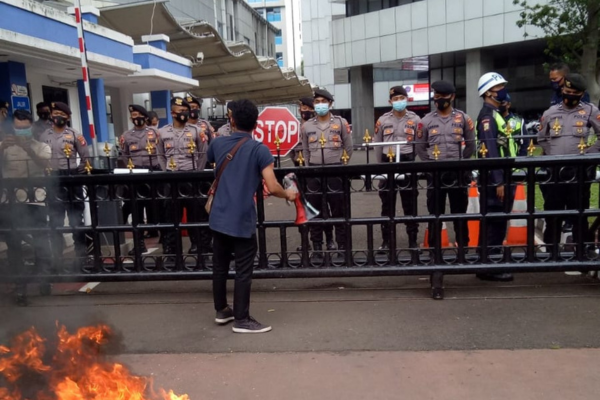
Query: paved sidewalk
point(449, 375)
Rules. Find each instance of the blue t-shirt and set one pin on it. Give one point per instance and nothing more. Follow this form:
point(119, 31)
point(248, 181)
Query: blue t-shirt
point(233, 210)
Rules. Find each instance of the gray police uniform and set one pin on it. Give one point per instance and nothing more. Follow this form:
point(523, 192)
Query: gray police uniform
point(58, 142)
point(225, 130)
point(561, 132)
point(135, 144)
point(390, 128)
point(176, 145)
point(61, 165)
point(446, 135)
point(337, 138)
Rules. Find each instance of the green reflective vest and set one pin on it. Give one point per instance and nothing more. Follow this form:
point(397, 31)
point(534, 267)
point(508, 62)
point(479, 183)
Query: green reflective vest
point(506, 142)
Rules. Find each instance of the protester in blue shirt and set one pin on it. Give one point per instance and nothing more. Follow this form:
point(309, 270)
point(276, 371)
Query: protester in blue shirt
point(233, 214)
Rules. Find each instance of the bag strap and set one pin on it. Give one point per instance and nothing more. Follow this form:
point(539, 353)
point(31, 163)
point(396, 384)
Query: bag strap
point(228, 158)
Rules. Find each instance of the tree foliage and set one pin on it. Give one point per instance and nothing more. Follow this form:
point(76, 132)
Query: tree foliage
point(571, 29)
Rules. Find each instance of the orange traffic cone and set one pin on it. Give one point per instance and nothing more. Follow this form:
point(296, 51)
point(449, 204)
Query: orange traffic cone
point(473, 208)
point(445, 240)
point(517, 228)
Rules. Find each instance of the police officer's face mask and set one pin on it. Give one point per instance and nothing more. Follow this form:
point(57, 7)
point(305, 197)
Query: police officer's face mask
point(571, 100)
point(139, 121)
point(322, 109)
point(44, 115)
point(501, 95)
point(59, 121)
point(182, 116)
point(195, 114)
point(442, 103)
point(306, 115)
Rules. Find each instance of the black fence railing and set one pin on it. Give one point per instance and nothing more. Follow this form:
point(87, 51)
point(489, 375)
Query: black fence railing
point(32, 224)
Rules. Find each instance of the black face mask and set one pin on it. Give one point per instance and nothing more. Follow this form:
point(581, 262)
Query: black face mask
point(306, 115)
point(44, 116)
point(571, 100)
point(139, 121)
point(182, 116)
point(442, 104)
point(59, 121)
point(194, 114)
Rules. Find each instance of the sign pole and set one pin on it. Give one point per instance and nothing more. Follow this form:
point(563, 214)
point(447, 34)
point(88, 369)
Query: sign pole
point(86, 75)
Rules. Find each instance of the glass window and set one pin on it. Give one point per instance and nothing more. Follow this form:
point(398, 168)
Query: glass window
point(278, 40)
point(274, 14)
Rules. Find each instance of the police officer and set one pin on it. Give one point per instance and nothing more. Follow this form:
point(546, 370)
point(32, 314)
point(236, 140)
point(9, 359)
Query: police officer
point(152, 120)
point(206, 134)
point(181, 143)
point(395, 126)
point(66, 143)
point(225, 130)
point(43, 123)
point(142, 146)
point(324, 140)
point(563, 128)
point(491, 131)
point(515, 126)
point(557, 75)
point(440, 136)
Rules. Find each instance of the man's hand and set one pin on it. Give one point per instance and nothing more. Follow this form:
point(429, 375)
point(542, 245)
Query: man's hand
point(8, 141)
point(500, 192)
point(290, 194)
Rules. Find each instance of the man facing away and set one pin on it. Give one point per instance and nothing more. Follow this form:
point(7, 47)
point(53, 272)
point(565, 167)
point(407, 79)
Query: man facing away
point(233, 214)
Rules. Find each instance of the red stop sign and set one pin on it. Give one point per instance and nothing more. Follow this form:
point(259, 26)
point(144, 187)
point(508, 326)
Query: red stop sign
point(277, 123)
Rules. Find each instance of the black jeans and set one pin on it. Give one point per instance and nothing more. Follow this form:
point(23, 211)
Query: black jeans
point(564, 197)
point(496, 228)
point(74, 206)
point(244, 250)
point(332, 206)
point(459, 200)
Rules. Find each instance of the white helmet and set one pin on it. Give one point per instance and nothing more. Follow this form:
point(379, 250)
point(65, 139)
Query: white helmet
point(488, 81)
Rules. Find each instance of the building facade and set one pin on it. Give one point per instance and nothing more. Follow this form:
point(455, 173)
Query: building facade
point(285, 15)
point(417, 42)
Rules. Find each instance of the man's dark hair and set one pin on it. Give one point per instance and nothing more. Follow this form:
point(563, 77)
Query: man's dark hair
point(245, 115)
point(22, 115)
point(152, 115)
point(41, 105)
point(562, 67)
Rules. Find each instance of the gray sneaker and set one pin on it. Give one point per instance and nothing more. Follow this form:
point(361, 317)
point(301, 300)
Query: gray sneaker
point(249, 325)
point(224, 316)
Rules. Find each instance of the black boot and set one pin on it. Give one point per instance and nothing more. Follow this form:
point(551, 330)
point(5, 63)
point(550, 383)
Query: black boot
point(331, 245)
point(412, 241)
point(317, 254)
point(141, 245)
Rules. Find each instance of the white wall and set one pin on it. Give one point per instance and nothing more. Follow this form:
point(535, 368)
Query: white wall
point(425, 28)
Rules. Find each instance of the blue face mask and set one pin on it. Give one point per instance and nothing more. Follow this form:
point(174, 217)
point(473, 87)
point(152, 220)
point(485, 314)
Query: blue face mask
point(399, 105)
point(24, 132)
point(555, 86)
point(322, 109)
point(501, 95)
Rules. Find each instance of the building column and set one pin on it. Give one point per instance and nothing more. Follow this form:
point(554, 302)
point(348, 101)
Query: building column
point(13, 86)
point(363, 103)
point(98, 97)
point(161, 104)
point(478, 63)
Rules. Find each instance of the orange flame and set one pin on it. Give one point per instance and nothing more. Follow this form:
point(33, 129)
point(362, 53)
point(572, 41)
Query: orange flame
point(77, 369)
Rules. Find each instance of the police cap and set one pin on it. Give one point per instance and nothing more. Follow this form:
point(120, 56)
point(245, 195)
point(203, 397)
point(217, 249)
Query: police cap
point(308, 101)
point(3, 104)
point(575, 82)
point(398, 91)
point(60, 106)
point(179, 101)
point(193, 100)
point(323, 93)
point(138, 108)
point(443, 87)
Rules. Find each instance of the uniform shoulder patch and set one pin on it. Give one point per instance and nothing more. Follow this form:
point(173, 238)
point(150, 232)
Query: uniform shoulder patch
point(122, 141)
point(81, 140)
point(470, 123)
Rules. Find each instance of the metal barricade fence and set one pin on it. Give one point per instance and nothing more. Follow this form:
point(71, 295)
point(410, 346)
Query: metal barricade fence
point(354, 186)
